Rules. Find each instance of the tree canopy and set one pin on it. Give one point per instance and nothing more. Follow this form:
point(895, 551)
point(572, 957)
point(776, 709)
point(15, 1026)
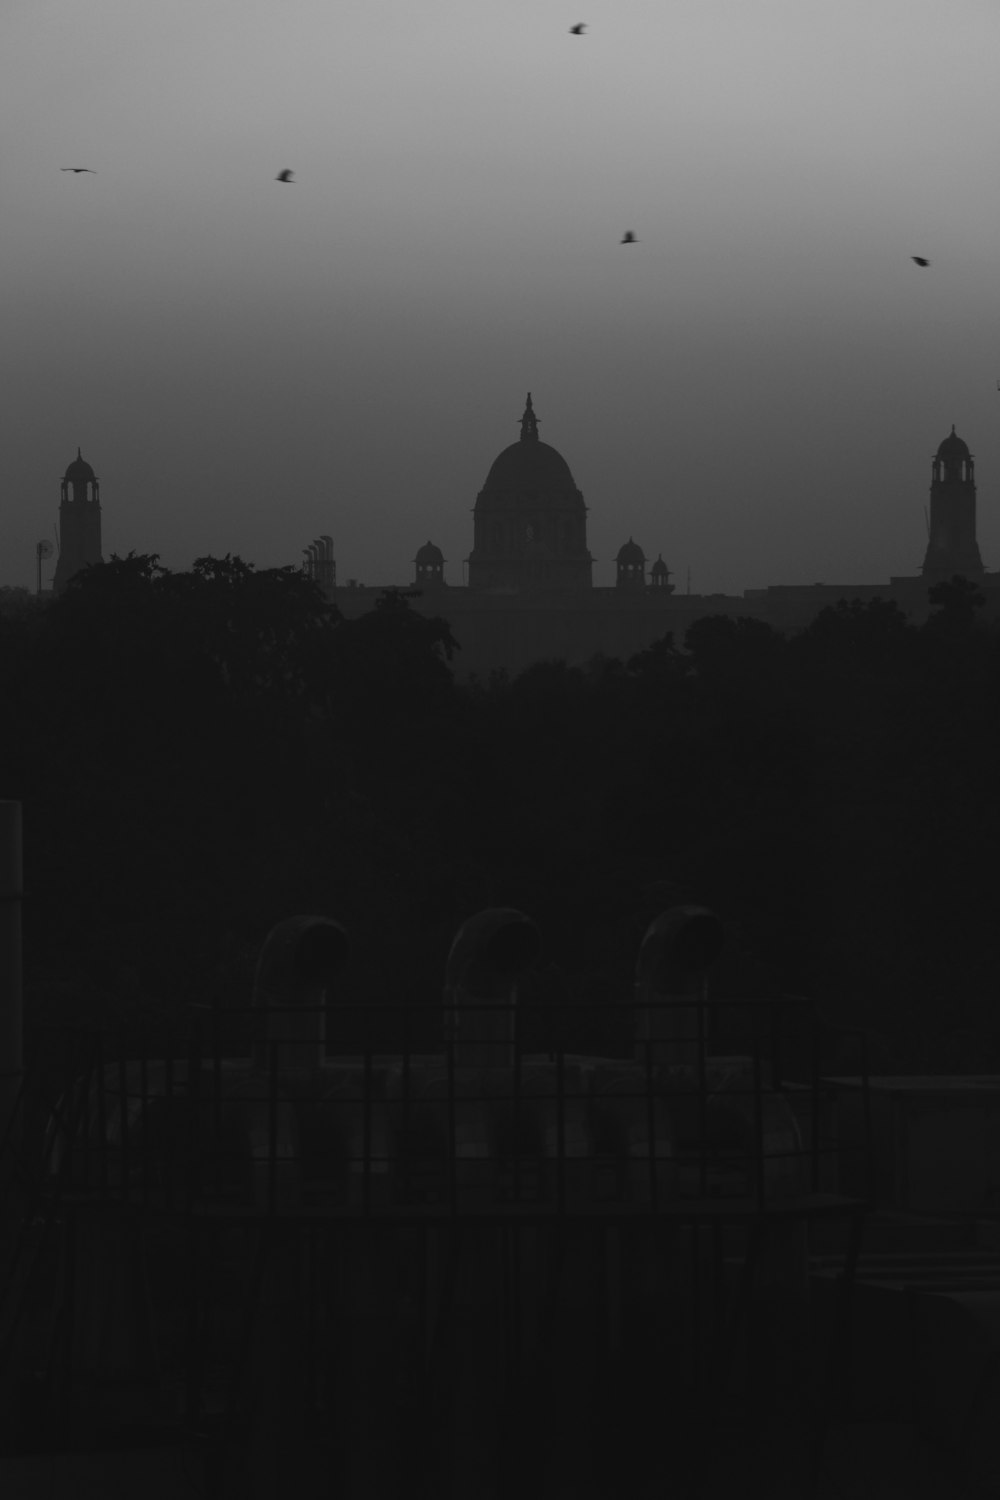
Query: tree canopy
point(202, 753)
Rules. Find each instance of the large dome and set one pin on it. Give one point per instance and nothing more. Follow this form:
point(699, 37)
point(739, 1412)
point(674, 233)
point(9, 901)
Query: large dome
point(530, 520)
point(529, 466)
point(631, 554)
point(953, 446)
point(528, 473)
point(79, 470)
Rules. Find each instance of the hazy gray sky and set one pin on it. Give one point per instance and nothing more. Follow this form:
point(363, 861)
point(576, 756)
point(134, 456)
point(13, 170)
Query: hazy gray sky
point(754, 389)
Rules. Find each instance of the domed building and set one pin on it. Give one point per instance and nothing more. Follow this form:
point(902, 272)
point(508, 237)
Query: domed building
point(79, 522)
point(530, 520)
point(530, 597)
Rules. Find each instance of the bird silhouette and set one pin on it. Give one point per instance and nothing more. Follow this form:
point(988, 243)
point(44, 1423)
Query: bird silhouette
point(577, 30)
point(79, 169)
point(919, 259)
point(628, 238)
point(285, 176)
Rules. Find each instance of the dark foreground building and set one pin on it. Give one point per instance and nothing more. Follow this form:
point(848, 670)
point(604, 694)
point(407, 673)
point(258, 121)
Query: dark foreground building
point(447, 1257)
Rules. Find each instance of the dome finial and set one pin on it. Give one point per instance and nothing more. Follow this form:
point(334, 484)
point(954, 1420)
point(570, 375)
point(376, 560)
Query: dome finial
point(80, 455)
point(529, 423)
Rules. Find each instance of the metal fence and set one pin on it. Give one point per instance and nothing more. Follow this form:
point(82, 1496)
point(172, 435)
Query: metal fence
point(286, 1125)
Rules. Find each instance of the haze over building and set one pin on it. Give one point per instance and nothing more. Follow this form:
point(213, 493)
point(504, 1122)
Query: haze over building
point(530, 594)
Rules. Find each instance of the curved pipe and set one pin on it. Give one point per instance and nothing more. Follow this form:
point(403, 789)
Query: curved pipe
point(677, 951)
point(299, 960)
point(489, 954)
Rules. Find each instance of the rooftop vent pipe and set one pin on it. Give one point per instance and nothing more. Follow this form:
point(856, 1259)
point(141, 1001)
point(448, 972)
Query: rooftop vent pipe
point(490, 953)
point(676, 953)
point(298, 963)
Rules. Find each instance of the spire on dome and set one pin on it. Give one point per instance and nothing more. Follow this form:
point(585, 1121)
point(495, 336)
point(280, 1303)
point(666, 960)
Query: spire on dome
point(529, 423)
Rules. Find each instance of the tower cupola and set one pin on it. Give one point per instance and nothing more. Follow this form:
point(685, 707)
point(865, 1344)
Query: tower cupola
point(79, 522)
point(952, 548)
point(429, 565)
point(631, 561)
point(659, 576)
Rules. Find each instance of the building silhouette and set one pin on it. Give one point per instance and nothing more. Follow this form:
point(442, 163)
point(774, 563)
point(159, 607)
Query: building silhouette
point(530, 594)
point(530, 520)
point(951, 542)
point(79, 522)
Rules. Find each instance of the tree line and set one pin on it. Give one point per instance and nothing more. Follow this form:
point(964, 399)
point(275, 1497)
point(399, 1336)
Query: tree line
point(202, 753)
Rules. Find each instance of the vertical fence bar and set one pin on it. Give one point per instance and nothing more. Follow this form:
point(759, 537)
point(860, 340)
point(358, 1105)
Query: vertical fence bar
point(193, 1143)
point(517, 1110)
point(216, 1146)
point(123, 1120)
point(145, 1163)
point(64, 1417)
point(815, 1073)
point(366, 1132)
point(561, 1133)
point(310, 1279)
point(404, 1154)
point(452, 1142)
point(272, 1124)
point(193, 1352)
point(102, 1116)
point(650, 1118)
point(702, 1094)
point(866, 1105)
point(697, 1302)
point(774, 1082)
point(758, 1116)
point(170, 1110)
point(75, 1088)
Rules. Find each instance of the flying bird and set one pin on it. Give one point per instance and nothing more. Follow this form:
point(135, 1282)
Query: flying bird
point(285, 176)
point(79, 169)
point(628, 238)
point(577, 30)
point(920, 260)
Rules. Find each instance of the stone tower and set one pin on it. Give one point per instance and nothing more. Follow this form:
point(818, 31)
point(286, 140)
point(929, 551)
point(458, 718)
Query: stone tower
point(79, 522)
point(530, 522)
point(951, 543)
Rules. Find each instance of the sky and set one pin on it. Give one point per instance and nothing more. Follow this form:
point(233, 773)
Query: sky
point(754, 389)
